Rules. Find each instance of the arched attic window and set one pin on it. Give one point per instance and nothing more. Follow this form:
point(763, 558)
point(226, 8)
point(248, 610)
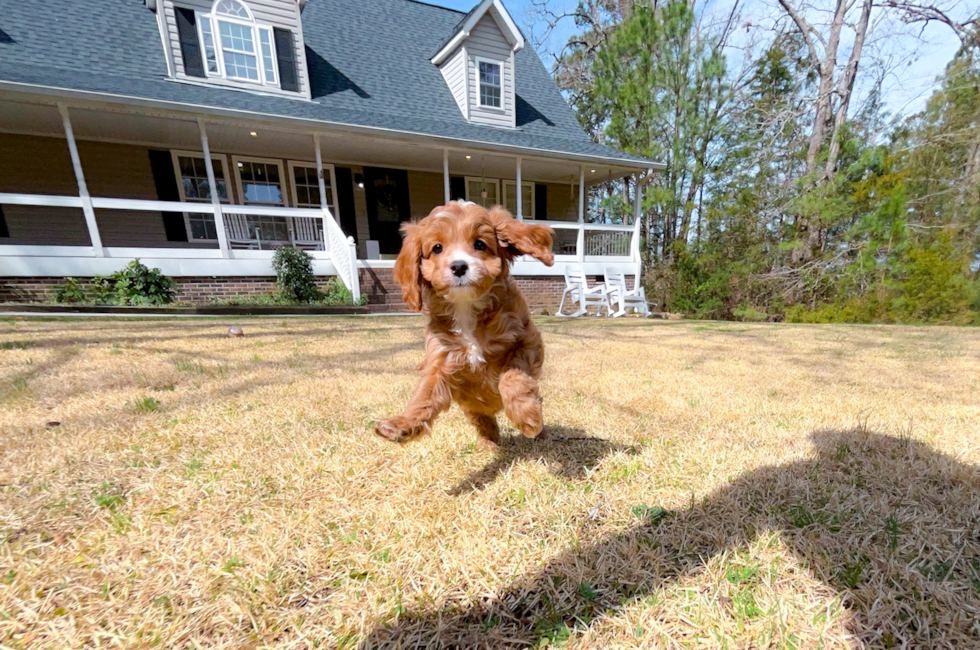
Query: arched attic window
point(243, 50)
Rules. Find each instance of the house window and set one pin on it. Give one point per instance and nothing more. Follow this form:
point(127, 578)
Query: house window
point(484, 191)
point(306, 187)
point(490, 83)
point(195, 188)
point(235, 47)
point(527, 198)
point(260, 180)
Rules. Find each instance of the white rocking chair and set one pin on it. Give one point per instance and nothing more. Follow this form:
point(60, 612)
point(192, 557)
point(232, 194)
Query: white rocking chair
point(617, 293)
point(577, 286)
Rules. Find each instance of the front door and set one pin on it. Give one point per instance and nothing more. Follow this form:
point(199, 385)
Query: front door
point(386, 191)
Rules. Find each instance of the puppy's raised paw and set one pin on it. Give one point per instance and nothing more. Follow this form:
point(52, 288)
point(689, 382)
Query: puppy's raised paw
point(397, 430)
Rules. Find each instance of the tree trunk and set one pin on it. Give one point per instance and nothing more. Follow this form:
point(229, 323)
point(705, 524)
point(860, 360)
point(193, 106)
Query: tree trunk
point(846, 87)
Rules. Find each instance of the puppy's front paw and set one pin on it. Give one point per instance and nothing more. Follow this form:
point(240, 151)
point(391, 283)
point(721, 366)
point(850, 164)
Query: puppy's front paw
point(397, 429)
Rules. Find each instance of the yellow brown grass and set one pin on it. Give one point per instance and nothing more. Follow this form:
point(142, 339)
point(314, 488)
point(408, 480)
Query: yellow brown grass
point(744, 486)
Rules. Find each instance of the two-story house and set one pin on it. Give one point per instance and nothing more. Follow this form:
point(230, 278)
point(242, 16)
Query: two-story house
point(198, 135)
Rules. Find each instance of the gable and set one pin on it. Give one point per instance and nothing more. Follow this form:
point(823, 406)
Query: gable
point(190, 28)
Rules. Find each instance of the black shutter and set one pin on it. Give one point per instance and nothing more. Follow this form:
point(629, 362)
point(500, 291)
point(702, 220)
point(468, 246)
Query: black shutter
point(541, 201)
point(3, 225)
point(286, 53)
point(457, 188)
point(345, 198)
point(162, 166)
point(190, 45)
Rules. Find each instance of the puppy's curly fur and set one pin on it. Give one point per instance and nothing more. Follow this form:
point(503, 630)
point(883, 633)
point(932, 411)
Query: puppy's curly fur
point(481, 348)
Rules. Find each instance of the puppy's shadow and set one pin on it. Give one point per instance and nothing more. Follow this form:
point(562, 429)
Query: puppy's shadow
point(568, 452)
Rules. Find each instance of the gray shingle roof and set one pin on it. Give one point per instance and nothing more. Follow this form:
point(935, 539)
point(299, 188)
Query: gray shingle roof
point(369, 64)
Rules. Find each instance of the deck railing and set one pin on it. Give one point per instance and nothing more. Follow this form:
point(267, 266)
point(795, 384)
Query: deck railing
point(592, 242)
point(248, 228)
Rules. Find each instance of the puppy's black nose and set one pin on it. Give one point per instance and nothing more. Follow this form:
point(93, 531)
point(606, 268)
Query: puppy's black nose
point(459, 268)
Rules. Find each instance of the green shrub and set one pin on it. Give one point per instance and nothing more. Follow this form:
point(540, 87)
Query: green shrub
point(103, 290)
point(338, 294)
point(72, 291)
point(139, 285)
point(294, 274)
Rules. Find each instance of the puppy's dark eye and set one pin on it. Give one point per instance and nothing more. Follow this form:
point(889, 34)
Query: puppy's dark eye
point(437, 249)
point(480, 245)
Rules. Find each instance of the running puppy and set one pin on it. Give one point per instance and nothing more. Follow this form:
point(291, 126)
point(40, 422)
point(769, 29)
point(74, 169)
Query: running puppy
point(481, 348)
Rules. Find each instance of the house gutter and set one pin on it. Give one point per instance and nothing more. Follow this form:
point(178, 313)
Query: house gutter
point(309, 124)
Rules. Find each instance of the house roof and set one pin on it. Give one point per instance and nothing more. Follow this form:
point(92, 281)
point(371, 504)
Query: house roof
point(369, 66)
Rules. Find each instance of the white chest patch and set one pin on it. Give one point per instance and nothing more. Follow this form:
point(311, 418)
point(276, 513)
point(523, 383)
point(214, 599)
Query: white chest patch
point(465, 319)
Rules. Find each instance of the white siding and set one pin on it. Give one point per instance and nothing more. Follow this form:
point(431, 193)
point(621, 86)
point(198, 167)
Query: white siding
point(453, 70)
point(277, 13)
point(486, 41)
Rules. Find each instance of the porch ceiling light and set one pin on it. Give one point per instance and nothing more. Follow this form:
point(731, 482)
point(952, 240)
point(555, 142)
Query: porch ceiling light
point(255, 134)
point(592, 170)
point(469, 157)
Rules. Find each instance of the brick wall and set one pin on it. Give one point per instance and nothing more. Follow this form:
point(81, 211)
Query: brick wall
point(190, 289)
point(383, 294)
point(542, 293)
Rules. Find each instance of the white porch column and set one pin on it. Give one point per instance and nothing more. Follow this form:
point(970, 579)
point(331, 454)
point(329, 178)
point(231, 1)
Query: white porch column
point(219, 220)
point(637, 229)
point(580, 245)
point(445, 174)
point(520, 191)
point(76, 161)
point(323, 191)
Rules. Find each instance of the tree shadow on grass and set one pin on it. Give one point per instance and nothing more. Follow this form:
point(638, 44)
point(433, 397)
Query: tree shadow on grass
point(888, 523)
point(568, 452)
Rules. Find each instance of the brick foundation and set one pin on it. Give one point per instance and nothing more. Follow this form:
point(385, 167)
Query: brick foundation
point(383, 294)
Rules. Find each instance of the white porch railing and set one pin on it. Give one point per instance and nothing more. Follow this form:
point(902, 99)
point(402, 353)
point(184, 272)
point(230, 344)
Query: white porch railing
point(592, 242)
point(252, 233)
point(343, 252)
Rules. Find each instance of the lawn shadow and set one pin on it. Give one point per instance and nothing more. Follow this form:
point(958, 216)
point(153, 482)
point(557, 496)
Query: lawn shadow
point(568, 452)
point(888, 523)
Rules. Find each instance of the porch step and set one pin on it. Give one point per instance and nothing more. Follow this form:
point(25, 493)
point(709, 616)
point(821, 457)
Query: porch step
point(203, 310)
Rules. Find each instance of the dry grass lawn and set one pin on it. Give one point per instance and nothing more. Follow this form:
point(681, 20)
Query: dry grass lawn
point(718, 485)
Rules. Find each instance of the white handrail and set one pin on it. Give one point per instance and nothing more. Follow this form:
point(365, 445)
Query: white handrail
point(47, 200)
point(343, 253)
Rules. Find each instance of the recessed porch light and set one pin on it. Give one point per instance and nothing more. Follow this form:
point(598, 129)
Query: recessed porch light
point(254, 134)
point(592, 170)
point(469, 157)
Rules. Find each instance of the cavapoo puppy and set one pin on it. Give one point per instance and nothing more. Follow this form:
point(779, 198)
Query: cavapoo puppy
point(481, 348)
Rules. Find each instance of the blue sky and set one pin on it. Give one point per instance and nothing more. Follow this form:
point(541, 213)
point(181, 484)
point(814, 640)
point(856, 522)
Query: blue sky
point(905, 91)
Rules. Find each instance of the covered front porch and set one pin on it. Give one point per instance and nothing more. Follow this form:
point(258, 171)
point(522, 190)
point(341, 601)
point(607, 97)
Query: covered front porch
point(86, 187)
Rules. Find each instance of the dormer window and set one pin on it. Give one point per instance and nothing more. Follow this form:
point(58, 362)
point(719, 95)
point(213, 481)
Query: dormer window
point(490, 83)
point(241, 48)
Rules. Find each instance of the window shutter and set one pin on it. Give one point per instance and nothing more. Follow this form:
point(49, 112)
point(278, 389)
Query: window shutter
point(3, 225)
point(345, 198)
point(286, 53)
point(457, 188)
point(162, 166)
point(540, 201)
point(190, 45)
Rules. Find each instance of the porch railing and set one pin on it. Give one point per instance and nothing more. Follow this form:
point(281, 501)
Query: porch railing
point(592, 242)
point(248, 228)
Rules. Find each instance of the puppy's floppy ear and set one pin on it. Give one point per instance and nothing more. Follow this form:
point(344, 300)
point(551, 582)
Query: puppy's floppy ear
point(519, 238)
point(407, 272)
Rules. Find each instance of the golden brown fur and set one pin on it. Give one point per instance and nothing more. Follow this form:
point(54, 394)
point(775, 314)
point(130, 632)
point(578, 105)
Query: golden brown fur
point(481, 348)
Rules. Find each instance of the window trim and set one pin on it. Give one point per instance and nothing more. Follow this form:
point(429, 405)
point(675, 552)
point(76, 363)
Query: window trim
point(268, 161)
point(223, 159)
point(293, 164)
point(212, 17)
point(480, 179)
point(479, 96)
point(513, 184)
